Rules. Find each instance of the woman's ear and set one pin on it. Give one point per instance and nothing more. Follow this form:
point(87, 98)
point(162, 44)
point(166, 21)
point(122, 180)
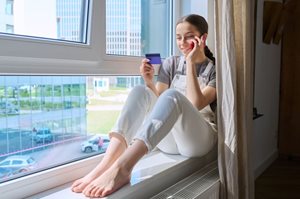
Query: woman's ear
point(203, 39)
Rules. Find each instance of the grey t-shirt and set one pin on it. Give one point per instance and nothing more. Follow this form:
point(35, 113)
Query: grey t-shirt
point(170, 66)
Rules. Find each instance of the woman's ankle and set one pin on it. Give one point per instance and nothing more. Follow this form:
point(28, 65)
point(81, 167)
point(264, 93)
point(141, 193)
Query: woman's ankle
point(122, 168)
point(119, 137)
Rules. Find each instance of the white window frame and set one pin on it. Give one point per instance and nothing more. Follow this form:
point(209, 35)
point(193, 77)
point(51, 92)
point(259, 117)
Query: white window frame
point(29, 55)
point(90, 59)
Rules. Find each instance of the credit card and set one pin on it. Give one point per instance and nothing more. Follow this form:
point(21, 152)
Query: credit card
point(154, 58)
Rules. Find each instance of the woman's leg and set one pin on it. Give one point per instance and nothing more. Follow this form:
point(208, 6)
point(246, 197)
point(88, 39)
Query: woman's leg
point(118, 174)
point(116, 147)
point(170, 107)
point(191, 133)
point(139, 102)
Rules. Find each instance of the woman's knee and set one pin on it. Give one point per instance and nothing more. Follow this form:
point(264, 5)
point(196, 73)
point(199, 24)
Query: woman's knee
point(171, 93)
point(143, 90)
point(138, 89)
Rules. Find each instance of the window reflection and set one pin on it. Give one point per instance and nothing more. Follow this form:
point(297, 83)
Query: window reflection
point(47, 120)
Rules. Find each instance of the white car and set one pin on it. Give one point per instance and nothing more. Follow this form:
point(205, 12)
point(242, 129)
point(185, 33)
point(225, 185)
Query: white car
point(92, 144)
point(19, 163)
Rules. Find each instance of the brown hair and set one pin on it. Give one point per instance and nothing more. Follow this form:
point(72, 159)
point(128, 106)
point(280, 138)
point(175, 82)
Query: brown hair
point(202, 26)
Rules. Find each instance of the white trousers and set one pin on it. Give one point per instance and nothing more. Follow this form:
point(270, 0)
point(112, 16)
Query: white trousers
point(169, 122)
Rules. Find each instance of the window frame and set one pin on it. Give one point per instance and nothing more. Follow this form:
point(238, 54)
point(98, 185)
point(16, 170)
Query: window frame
point(63, 57)
point(81, 59)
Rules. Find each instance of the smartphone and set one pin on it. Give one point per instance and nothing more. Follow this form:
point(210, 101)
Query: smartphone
point(154, 58)
point(192, 45)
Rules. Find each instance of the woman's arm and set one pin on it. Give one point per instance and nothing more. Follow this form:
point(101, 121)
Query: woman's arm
point(161, 87)
point(199, 98)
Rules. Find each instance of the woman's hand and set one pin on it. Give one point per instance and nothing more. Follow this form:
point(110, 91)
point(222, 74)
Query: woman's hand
point(197, 49)
point(147, 71)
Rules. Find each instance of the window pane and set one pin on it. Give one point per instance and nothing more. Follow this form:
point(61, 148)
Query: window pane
point(136, 27)
point(43, 116)
point(9, 9)
point(54, 19)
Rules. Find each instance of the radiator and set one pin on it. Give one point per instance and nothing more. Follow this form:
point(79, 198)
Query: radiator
point(203, 184)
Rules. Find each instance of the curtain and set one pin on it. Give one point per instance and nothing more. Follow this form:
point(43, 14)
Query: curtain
point(234, 32)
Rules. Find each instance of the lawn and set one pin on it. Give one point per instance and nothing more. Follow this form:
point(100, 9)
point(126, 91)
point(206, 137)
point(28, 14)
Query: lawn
point(101, 121)
point(97, 102)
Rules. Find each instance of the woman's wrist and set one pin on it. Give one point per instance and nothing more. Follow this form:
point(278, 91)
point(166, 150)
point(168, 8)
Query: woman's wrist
point(150, 84)
point(190, 67)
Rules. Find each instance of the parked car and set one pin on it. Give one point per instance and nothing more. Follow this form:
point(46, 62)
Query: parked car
point(18, 163)
point(43, 136)
point(94, 144)
point(8, 108)
point(5, 173)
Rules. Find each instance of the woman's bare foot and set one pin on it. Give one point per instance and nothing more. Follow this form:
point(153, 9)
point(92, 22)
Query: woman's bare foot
point(110, 181)
point(116, 147)
point(79, 185)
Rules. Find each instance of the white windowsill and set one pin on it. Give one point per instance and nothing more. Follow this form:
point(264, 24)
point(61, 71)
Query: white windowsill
point(156, 172)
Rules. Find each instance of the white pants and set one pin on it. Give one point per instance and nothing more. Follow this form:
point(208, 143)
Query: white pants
point(169, 122)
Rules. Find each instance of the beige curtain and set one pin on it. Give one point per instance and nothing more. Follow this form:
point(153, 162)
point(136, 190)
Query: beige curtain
point(234, 32)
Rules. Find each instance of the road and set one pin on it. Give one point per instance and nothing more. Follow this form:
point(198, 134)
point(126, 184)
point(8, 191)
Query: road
point(57, 154)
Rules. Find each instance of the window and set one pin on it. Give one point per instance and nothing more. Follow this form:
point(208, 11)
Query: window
point(5, 163)
point(41, 112)
point(9, 7)
point(47, 123)
point(60, 19)
point(9, 28)
point(139, 27)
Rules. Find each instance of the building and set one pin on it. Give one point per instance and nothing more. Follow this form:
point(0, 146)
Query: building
point(6, 16)
point(69, 21)
point(123, 27)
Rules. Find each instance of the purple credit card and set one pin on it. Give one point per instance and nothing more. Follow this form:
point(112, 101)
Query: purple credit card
point(154, 58)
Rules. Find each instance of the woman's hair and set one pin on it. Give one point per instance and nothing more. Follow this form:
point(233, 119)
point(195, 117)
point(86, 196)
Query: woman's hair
point(200, 23)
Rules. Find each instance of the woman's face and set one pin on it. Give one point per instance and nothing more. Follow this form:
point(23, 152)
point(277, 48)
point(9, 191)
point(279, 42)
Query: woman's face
point(185, 32)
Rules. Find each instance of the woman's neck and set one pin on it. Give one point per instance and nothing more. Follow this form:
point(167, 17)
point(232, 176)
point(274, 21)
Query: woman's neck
point(200, 59)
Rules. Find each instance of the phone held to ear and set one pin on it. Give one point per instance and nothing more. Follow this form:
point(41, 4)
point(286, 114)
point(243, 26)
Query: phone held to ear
point(203, 39)
point(192, 45)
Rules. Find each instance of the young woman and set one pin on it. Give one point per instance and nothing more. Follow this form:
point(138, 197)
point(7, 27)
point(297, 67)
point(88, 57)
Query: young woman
point(176, 114)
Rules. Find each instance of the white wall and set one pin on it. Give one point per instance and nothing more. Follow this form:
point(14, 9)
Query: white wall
point(266, 98)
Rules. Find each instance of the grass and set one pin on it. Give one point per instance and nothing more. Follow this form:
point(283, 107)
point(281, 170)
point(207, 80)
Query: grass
point(111, 92)
point(101, 121)
point(97, 121)
point(95, 102)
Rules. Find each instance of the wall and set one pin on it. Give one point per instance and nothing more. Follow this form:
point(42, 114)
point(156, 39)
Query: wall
point(266, 98)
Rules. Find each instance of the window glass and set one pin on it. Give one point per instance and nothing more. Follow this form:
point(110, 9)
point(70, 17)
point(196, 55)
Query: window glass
point(9, 9)
point(47, 121)
point(5, 163)
point(54, 19)
point(14, 162)
point(136, 27)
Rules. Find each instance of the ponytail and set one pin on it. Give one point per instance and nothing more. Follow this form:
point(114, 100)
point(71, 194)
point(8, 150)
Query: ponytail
point(209, 54)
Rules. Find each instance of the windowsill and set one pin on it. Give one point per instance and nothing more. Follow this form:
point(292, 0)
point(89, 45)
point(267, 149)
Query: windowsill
point(156, 171)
